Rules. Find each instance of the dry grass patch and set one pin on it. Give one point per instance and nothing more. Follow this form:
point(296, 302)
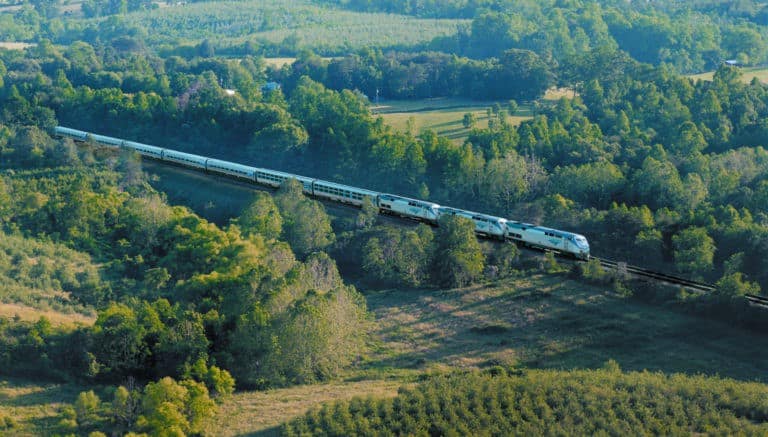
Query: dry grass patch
point(279, 62)
point(29, 314)
point(16, 45)
point(262, 412)
point(443, 115)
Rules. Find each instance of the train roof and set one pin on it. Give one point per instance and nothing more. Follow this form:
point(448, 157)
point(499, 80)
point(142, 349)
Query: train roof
point(285, 175)
point(472, 214)
point(177, 154)
point(230, 164)
point(346, 187)
point(142, 145)
point(69, 130)
point(393, 197)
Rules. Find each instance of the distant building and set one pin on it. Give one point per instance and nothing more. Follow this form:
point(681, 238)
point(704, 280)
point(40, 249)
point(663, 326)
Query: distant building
point(733, 63)
point(269, 87)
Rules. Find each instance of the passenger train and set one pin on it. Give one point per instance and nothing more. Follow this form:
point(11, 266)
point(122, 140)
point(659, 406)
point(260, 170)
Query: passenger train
point(485, 225)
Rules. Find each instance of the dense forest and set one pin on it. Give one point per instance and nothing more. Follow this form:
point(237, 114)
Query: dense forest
point(688, 37)
point(653, 167)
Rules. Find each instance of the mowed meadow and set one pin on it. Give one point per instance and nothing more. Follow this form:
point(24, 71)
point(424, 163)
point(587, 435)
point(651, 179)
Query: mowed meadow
point(445, 116)
point(748, 73)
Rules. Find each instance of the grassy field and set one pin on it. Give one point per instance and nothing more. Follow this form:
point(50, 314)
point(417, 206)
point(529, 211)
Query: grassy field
point(537, 321)
point(442, 115)
point(57, 318)
point(262, 412)
point(278, 62)
point(546, 321)
point(761, 73)
point(15, 45)
point(34, 407)
point(445, 115)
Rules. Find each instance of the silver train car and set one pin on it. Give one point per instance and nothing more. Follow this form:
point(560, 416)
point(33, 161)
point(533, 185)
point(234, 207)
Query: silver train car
point(342, 193)
point(485, 225)
point(488, 225)
point(411, 208)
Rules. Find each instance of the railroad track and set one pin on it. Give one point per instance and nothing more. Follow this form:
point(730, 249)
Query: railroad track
point(757, 301)
point(701, 287)
point(696, 286)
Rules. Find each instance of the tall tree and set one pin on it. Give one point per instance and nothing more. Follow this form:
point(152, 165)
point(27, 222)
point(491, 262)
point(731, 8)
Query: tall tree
point(458, 258)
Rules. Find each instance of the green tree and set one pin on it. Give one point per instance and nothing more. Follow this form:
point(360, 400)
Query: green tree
point(469, 120)
point(321, 335)
point(458, 259)
point(512, 107)
point(734, 285)
point(125, 407)
point(367, 215)
point(306, 225)
point(172, 408)
point(87, 407)
point(694, 250)
point(262, 216)
point(119, 341)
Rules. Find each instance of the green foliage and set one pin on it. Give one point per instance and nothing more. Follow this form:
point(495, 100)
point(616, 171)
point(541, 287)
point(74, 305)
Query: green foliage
point(694, 250)
point(45, 274)
point(592, 270)
point(505, 258)
point(87, 408)
point(458, 259)
point(262, 216)
point(306, 225)
point(368, 214)
point(399, 256)
point(321, 335)
point(7, 423)
point(549, 402)
point(169, 407)
point(549, 263)
point(733, 286)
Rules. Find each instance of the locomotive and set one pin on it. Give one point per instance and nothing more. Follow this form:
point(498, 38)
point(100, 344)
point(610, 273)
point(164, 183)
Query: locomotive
point(489, 226)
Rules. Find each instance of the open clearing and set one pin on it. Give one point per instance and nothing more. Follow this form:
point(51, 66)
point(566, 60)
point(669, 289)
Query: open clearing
point(16, 45)
point(445, 115)
point(748, 73)
point(33, 406)
point(550, 321)
point(263, 412)
point(30, 314)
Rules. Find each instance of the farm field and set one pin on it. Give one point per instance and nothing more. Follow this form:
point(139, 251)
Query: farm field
point(442, 115)
point(538, 321)
point(761, 73)
point(304, 23)
point(445, 115)
point(262, 413)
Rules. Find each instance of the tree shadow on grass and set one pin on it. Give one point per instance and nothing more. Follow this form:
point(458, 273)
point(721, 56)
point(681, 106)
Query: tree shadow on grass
point(569, 325)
